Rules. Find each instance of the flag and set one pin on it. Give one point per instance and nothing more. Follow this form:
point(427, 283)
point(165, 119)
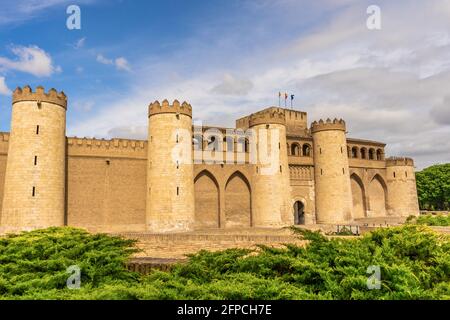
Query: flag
point(292, 97)
point(285, 95)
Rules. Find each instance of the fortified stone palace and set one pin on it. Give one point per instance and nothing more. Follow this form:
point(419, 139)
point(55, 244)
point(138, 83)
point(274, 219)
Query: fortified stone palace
point(321, 175)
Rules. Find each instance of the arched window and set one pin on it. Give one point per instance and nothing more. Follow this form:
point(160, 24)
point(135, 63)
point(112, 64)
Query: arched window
point(228, 142)
point(379, 154)
point(295, 149)
point(306, 149)
point(363, 153)
point(213, 143)
point(372, 154)
point(197, 142)
point(242, 144)
point(354, 152)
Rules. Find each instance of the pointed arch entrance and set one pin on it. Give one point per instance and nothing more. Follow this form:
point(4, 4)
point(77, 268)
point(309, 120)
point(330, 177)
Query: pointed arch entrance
point(358, 197)
point(237, 201)
point(377, 197)
point(207, 210)
point(299, 212)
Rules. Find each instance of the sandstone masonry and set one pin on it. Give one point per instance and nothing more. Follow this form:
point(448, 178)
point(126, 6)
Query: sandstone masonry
point(185, 178)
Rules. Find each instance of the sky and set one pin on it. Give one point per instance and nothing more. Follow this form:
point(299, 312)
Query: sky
point(230, 58)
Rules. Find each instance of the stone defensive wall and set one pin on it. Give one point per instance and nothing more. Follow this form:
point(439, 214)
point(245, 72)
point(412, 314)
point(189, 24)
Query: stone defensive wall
point(4, 138)
point(106, 184)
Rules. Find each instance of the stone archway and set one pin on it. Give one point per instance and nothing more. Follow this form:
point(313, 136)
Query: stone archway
point(358, 197)
point(237, 202)
point(206, 190)
point(299, 212)
point(377, 197)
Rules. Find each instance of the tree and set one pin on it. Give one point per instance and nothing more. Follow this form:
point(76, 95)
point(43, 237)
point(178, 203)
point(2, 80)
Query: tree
point(433, 187)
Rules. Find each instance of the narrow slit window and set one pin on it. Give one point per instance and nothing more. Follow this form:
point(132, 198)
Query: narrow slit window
point(37, 129)
point(178, 191)
point(33, 193)
point(35, 160)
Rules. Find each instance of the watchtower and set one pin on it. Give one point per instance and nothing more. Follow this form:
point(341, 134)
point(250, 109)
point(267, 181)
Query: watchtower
point(401, 184)
point(331, 172)
point(35, 172)
point(271, 183)
point(170, 175)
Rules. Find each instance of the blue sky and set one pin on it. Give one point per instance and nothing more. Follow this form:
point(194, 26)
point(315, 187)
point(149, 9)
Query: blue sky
point(230, 58)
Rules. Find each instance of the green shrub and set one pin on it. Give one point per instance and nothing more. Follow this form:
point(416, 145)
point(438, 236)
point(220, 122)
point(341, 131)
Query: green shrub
point(431, 220)
point(414, 263)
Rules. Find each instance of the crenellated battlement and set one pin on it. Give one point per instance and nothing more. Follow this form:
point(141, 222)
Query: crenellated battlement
point(4, 143)
point(4, 136)
point(27, 94)
point(399, 161)
point(102, 143)
point(268, 116)
point(329, 124)
point(165, 107)
point(107, 148)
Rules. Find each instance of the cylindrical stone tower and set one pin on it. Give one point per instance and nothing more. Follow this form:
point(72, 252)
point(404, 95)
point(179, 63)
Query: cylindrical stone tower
point(402, 190)
point(170, 174)
point(331, 172)
point(271, 183)
point(35, 172)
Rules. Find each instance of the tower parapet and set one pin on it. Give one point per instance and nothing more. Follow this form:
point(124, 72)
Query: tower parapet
point(27, 94)
point(399, 161)
point(321, 125)
point(165, 107)
point(268, 116)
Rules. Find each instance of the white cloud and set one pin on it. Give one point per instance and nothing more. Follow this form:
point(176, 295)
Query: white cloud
point(103, 60)
point(4, 90)
point(233, 86)
point(389, 85)
point(80, 43)
point(31, 59)
point(120, 63)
